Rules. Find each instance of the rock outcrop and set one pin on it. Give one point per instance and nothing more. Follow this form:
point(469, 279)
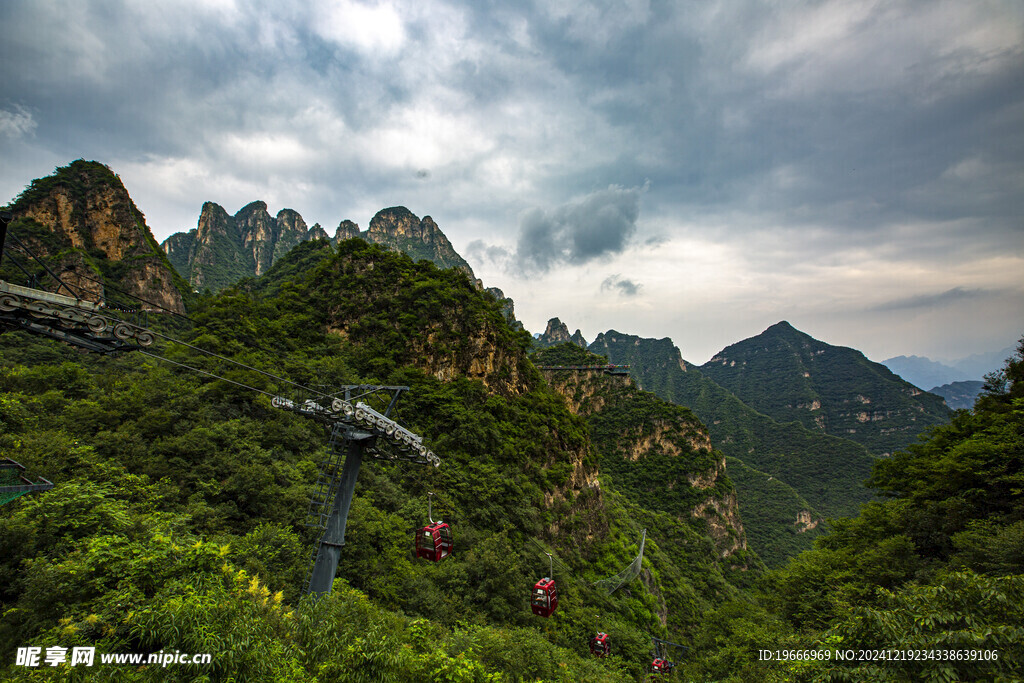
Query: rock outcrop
point(82, 220)
point(557, 332)
point(399, 229)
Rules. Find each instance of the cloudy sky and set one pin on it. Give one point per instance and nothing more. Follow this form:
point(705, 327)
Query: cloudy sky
point(698, 170)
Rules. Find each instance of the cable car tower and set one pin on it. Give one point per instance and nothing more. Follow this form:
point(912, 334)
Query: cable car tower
point(357, 430)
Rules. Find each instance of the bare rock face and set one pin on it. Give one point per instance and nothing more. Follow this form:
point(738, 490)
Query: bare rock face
point(805, 521)
point(290, 231)
point(723, 519)
point(399, 229)
point(86, 209)
point(346, 231)
point(557, 333)
point(317, 233)
point(217, 257)
point(508, 307)
point(258, 232)
point(224, 249)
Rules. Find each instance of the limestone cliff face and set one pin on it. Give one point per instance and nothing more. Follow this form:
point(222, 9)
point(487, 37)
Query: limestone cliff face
point(399, 229)
point(477, 358)
point(805, 521)
point(224, 249)
point(290, 230)
point(634, 432)
point(346, 231)
point(258, 232)
point(507, 307)
point(317, 233)
point(217, 258)
point(93, 222)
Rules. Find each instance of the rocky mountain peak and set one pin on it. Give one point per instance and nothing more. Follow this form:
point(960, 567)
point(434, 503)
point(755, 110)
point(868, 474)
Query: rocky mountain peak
point(346, 231)
point(317, 233)
point(224, 249)
point(399, 228)
point(82, 220)
point(557, 332)
point(507, 307)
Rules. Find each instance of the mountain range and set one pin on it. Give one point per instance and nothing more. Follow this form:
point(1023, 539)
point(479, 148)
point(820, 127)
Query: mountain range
point(223, 249)
point(183, 486)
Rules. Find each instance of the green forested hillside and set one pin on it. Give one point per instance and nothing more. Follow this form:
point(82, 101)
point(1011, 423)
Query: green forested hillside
point(783, 472)
point(791, 376)
point(650, 450)
point(937, 565)
point(176, 521)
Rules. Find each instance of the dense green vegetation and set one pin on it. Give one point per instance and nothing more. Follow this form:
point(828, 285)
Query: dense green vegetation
point(791, 376)
point(789, 469)
point(939, 563)
point(650, 450)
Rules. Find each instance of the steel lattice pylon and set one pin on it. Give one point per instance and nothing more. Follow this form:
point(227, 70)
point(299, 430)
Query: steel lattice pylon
point(356, 430)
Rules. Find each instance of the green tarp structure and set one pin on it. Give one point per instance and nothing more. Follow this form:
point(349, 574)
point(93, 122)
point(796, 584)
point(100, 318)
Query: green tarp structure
point(13, 484)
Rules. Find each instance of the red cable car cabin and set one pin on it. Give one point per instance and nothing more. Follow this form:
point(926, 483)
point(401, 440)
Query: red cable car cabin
point(600, 646)
point(661, 666)
point(434, 542)
point(544, 600)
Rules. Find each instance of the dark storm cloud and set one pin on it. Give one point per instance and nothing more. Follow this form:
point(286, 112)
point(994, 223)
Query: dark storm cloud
point(782, 133)
point(622, 286)
point(598, 225)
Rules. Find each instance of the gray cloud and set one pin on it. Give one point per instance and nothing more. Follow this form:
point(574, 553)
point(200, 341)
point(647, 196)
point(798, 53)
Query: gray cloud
point(925, 301)
point(624, 287)
point(599, 224)
point(479, 251)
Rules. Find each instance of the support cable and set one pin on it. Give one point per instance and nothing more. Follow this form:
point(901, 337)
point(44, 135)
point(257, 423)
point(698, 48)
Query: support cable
point(242, 365)
point(28, 251)
point(208, 374)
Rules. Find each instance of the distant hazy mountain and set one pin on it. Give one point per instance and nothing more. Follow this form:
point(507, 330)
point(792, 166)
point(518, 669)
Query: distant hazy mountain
point(924, 372)
point(959, 394)
point(789, 375)
point(977, 365)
